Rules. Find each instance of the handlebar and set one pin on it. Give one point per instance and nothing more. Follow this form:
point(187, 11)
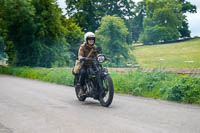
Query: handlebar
point(94, 59)
point(90, 59)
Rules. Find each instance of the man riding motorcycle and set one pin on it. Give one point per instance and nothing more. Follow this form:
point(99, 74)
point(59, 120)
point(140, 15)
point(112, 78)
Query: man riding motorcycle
point(87, 49)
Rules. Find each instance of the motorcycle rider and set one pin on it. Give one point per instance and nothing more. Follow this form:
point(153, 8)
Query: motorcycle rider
point(84, 51)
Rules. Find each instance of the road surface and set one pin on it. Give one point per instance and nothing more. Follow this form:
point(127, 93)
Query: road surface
point(31, 106)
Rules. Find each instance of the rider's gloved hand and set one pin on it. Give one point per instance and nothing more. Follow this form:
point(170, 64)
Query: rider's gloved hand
point(82, 59)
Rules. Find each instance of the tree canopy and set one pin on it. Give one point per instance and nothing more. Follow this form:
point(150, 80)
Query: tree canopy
point(36, 33)
point(164, 21)
point(111, 36)
point(2, 53)
point(88, 13)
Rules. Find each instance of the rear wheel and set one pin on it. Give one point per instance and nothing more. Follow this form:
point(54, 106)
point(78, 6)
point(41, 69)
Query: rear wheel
point(77, 89)
point(106, 96)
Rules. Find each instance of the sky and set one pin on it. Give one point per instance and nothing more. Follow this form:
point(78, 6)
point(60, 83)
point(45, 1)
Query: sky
point(193, 19)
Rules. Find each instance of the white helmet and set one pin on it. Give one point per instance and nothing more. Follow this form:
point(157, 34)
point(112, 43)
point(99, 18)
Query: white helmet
point(89, 35)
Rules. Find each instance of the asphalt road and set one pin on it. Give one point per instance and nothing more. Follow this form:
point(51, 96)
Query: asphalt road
point(30, 106)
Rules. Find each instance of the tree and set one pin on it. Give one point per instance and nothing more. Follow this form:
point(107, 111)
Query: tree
point(146, 8)
point(74, 37)
point(184, 28)
point(35, 34)
point(136, 23)
point(50, 39)
point(88, 13)
point(111, 36)
point(19, 28)
point(2, 53)
point(162, 21)
point(2, 45)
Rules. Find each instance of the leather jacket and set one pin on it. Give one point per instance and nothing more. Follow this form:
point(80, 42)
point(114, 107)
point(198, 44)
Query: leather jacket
point(84, 50)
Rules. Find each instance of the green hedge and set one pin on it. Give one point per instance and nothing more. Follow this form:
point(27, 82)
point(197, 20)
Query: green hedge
point(53, 75)
point(166, 86)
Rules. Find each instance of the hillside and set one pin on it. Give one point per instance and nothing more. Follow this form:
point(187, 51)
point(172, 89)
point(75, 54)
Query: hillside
point(174, 55)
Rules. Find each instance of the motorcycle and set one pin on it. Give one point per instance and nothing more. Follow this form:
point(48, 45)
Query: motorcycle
point(98, 84)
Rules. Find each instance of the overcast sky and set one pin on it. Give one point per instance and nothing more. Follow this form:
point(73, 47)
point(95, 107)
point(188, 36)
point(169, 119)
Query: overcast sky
point(194, 19)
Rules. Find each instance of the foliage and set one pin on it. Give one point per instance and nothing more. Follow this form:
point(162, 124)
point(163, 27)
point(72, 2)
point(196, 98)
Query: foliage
point(163, 18)
point(175, 55)
point(35, 35)
point(136, 23)
point(184, 29)
point(167, 86)
point(2, 53)
point(53, 75)
point(111, 36)
point(2, 45)
point(186, 89)
point(88, 13)
point(74, 36)
point(16, 24)
point(186, 7)
point(49, 40)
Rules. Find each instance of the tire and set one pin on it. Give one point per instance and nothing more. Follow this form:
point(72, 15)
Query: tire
point(108, 92)
point(77, 89)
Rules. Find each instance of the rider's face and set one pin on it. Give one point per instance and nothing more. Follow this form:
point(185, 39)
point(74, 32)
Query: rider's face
point(91, 41)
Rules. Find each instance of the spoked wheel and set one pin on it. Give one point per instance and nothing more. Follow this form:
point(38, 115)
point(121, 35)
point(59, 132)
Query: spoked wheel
point(106, 96)
point(77, 89)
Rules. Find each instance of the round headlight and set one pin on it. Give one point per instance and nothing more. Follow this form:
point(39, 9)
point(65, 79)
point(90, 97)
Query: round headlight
point(100, 58)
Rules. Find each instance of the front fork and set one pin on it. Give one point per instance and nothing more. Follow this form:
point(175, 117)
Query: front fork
point(101, 89)
point(100, 75)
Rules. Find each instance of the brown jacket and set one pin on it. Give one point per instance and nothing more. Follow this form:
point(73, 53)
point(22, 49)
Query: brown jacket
point(84, 50)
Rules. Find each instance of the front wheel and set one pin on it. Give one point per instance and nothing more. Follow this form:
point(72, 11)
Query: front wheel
point(107, 94)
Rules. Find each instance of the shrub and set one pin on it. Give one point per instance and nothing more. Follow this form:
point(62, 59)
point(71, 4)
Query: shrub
point(167, 86)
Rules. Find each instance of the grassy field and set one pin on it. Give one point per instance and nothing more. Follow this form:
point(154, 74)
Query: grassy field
point(175, 55)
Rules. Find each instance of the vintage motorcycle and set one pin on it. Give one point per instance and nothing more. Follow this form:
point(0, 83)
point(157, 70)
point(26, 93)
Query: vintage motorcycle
point(98, 83)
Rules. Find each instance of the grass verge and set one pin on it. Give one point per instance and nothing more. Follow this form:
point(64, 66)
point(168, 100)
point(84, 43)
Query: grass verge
point(166, 86)
point(52, 75)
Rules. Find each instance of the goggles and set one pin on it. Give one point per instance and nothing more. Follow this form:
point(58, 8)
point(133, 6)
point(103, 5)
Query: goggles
point(91, 38)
